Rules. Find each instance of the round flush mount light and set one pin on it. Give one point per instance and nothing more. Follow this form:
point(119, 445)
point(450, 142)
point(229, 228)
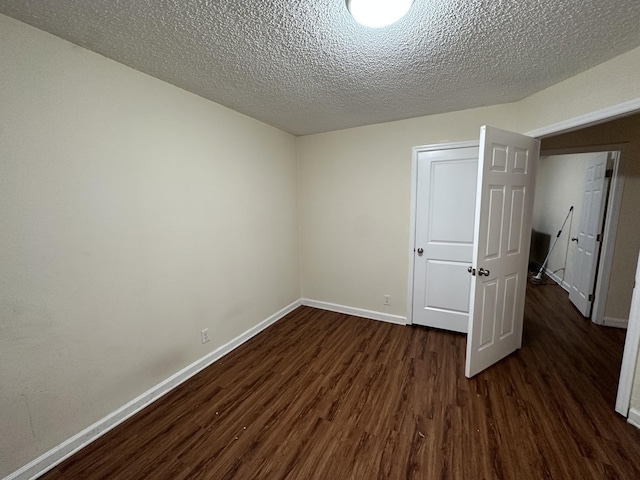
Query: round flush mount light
point(378, 13)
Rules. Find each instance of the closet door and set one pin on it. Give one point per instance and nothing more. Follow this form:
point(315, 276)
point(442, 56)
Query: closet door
point(445, 209)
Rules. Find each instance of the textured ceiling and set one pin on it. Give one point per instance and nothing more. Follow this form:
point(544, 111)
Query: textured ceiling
point(305, 66)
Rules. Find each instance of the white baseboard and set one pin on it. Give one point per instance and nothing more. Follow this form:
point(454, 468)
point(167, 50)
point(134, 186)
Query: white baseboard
point(607, 321)
point(557, 279)
point(615, 322)
point(634, 417)
point(356, 312)
point(56, 455)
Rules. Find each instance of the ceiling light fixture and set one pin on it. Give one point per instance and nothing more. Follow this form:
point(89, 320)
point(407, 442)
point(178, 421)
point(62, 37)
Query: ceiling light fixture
point(378, 13)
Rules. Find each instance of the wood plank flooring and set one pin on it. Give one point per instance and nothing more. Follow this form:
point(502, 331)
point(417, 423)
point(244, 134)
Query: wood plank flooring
point(322, 395)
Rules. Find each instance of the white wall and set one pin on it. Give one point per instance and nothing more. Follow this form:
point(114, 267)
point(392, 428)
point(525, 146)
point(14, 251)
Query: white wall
point(132, 215)
point(560, 183)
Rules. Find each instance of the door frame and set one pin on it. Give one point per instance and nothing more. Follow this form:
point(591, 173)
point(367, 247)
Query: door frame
point(630, 354)
point(587, 120)
point(413, 205)
point(612, 214)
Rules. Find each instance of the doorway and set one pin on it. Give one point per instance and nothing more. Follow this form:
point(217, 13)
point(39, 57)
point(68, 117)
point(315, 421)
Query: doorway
point(622, 133)
point(591, 133)
point(574, 227)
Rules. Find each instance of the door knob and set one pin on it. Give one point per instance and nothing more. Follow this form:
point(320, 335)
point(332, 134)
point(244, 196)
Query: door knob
point(420, 252)
point(472, 271)
point(482, 271)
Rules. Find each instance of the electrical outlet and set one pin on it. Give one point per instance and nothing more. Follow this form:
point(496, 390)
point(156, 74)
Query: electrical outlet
point(204, 335)
point(387, 299)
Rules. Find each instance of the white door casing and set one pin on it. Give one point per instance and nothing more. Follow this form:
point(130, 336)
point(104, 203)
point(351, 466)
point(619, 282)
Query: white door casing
point(590, 228)
point(502, 235)
point(445, 209)
point(631, 350)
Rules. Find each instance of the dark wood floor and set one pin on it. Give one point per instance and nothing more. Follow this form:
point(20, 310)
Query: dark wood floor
point(322, 395)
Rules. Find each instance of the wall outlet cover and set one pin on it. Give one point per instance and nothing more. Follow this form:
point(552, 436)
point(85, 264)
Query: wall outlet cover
point(204, 335)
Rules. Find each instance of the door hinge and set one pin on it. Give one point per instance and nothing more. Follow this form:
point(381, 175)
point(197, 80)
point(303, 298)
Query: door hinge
point(598, 237)
point(608, 174)
point(591, 297)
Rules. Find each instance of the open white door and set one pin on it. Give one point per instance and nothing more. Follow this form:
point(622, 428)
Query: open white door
point(502, 234)
point(591, 219)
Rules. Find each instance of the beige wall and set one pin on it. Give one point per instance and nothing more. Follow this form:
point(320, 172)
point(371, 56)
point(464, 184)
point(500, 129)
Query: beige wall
point(610, 83)
point(560, 185)
point(133, 214)
point(354, 205)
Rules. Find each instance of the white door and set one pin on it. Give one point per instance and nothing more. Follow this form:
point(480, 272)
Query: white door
point(591, 219)
point(445, 209)
point(502, 234)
